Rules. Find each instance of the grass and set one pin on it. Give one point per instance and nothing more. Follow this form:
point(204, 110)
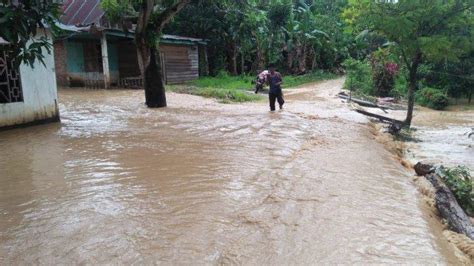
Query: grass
point(229, 89)
point(293, 81)
point(224, 95)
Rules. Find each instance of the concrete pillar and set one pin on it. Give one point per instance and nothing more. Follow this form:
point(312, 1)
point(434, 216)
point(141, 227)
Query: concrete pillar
point(105, 60)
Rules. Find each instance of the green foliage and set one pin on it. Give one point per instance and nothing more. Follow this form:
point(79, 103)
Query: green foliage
point(293, 81)
point(224, 81)
point(384, 72)
point(20, 22)
point(224, 95)
point(245, 36)
point(457, 78)
point(418, 30)
point(461, 184)
point(359, 76)
point(229, 88)
point(400, 88)
point(432, 98)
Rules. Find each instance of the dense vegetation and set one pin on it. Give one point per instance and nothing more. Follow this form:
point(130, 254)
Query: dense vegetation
point(416, 39)
point(245, 36)
point(460, 182)
point(388, 48)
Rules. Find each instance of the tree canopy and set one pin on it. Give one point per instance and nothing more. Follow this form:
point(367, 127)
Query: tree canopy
point(244, 36)
point(418, 30)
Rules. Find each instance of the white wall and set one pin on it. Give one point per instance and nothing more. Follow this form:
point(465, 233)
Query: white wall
point(39, 94)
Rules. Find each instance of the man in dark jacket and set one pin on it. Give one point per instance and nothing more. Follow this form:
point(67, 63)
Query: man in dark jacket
point(275, 80)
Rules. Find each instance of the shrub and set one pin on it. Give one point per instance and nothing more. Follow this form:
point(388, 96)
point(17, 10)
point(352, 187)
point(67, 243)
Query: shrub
point(460, 182)
point(384, 72)
point(359, 76)
point(400, 88)
point(432, 98)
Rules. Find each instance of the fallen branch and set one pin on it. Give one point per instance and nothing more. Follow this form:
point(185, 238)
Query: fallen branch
point(380, 117)
point(446, 203)
point(361, 102)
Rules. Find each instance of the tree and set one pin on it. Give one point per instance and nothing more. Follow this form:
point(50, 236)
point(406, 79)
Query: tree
point(271, 31)
point(19, 23)
point(150, 17)
point(419, 30)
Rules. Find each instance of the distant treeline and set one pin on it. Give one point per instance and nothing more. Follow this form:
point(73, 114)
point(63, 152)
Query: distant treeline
point(245, 36)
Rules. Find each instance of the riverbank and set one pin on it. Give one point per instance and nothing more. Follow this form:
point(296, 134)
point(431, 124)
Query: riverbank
point(438, 137)
point(201, 182)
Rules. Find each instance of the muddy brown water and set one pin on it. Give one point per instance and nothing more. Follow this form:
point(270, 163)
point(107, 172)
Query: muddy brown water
point(208, 183)
point(443, 137)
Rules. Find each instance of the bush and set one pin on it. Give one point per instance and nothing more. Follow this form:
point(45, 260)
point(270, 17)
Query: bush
point(432, 98)
point(384, 72)
point(401, 85)
point(359, 76)
point(460, 182)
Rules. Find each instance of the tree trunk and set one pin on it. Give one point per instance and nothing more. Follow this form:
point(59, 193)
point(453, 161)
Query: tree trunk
point(302, 60)
point(289, 61)
point(149, 60)
point(262, 62)
point(234, 64)
point(153, 81)
point(445, 201)
point(232, 58)
point(242, 63)
point(412, 79)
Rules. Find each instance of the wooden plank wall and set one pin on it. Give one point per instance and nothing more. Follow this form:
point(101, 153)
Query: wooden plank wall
point(181, 63)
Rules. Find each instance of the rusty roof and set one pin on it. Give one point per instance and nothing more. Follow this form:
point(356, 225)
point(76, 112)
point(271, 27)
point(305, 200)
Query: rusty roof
point(81, 12)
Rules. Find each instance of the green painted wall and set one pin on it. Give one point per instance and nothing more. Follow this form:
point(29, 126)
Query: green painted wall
point(113, 56)
point(75, 56)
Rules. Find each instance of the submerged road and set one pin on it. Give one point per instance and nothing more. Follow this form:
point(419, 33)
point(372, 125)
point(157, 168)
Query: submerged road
point(208, 183)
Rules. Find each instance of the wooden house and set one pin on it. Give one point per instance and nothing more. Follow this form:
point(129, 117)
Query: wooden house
point(93, 53)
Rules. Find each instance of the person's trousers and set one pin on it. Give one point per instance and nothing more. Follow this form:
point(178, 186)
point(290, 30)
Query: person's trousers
point(276, 96)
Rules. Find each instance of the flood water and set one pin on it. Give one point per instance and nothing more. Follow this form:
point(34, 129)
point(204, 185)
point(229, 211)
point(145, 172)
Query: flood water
point(208, 183)
point(442, 136)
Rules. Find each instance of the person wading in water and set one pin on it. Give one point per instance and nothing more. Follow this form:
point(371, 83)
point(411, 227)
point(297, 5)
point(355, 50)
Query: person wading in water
point(275, 80)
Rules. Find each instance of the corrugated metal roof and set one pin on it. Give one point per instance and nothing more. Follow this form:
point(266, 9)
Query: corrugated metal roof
point(81, 12)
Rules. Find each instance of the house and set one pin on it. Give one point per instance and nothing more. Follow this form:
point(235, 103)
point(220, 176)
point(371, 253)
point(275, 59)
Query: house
point(95, 53)
point(28, 94)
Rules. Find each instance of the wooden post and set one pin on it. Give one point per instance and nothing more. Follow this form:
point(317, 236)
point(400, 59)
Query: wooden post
point(105, 60)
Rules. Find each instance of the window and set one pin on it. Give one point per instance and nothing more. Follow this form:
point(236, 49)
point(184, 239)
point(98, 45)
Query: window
point(10, 84)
